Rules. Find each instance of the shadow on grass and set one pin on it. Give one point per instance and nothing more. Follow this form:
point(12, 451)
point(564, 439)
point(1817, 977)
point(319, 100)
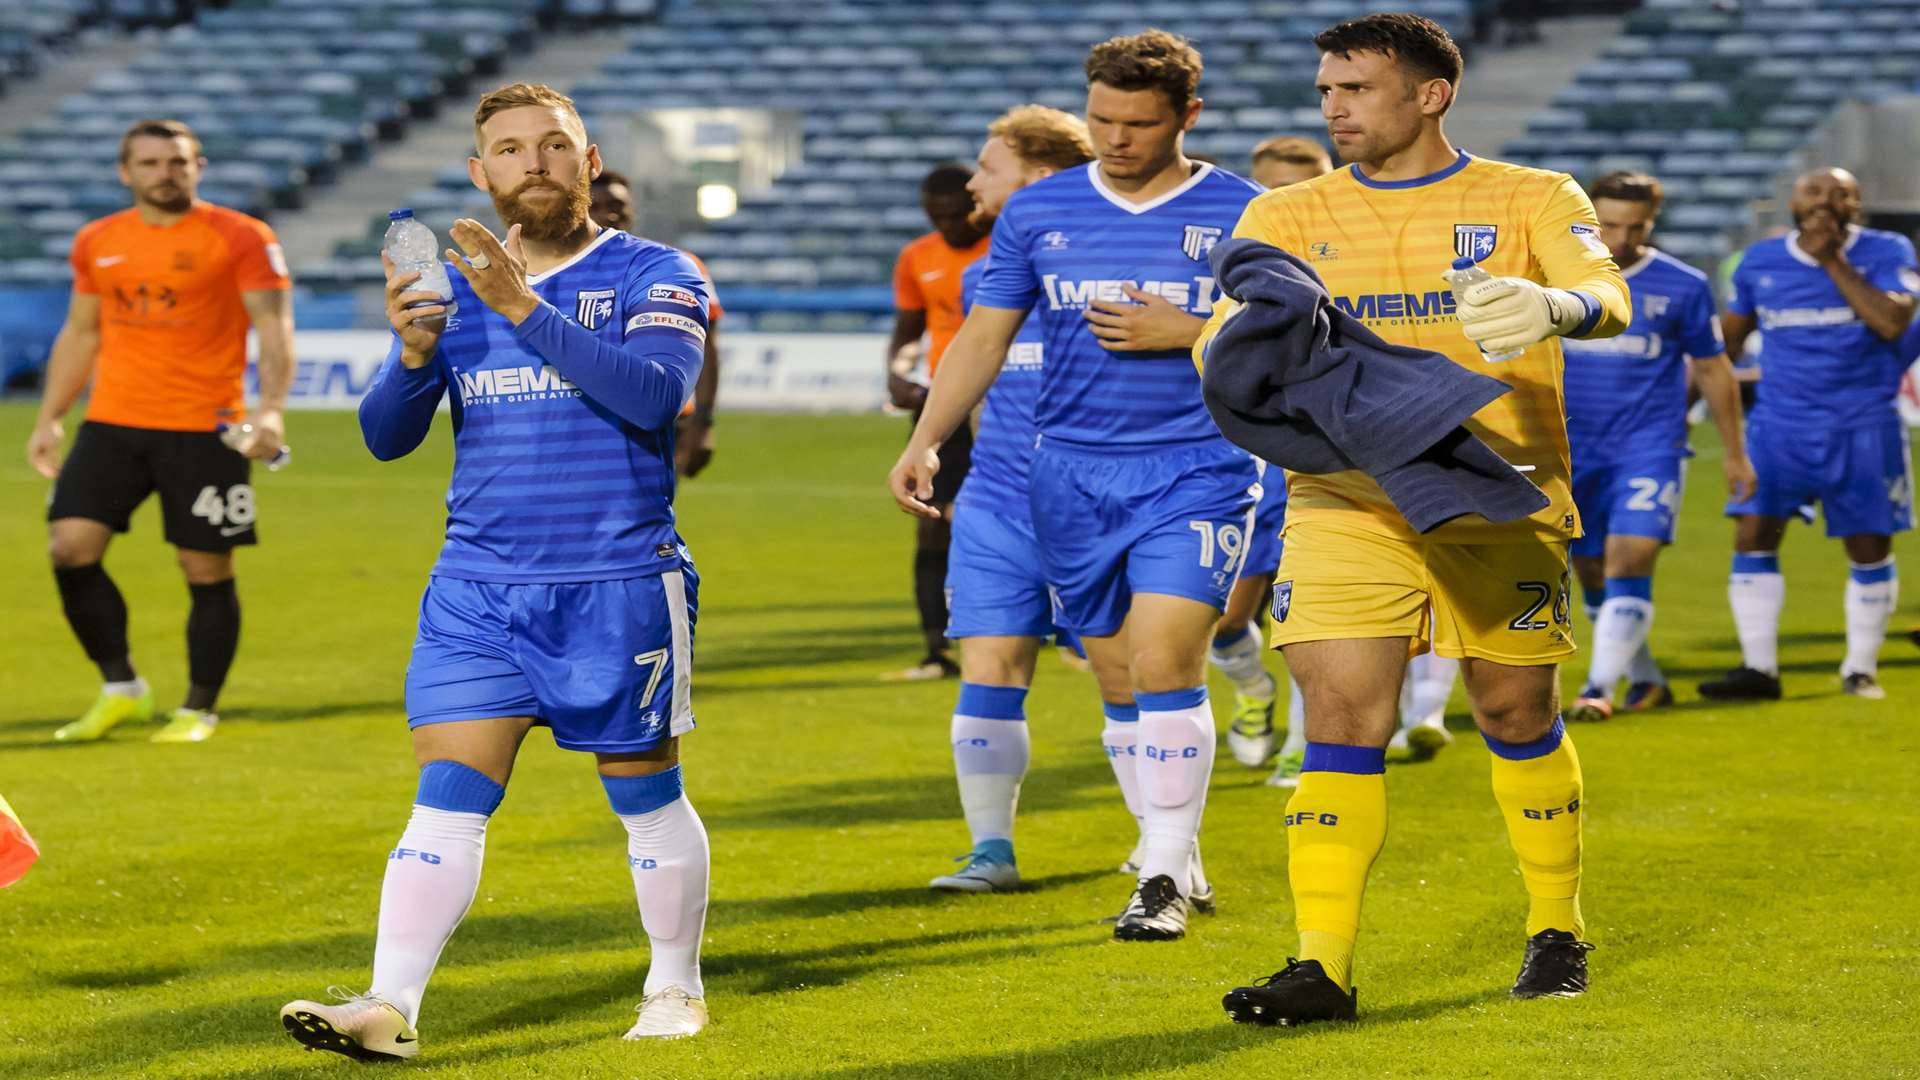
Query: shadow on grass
point(293, 714)
point(848, 802)
point(118, 978)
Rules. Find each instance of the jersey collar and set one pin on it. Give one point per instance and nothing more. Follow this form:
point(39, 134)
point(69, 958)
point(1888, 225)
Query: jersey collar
point(1793, 245)
point(1107, 193)
point(1645, 261)
point(606, 234)
point(1459, 163)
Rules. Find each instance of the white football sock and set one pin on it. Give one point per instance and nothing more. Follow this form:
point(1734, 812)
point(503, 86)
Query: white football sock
point(1432, 677)
point(1643, 668)
point(133, 687)
point(1625, 620)
point(1872, 590)
point(1119, 739)
point(431, 879)
point(667, 852)
point(990, 751)
point(1240, 657)
point(1757, 592)
point(1175, 761)
point(1296, 741)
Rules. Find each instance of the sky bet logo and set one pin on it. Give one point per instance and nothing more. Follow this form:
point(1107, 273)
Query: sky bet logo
point(1399, 309)
point(492, 385)
point(1308, 817)
point(402, 853)
point(1195, 296)
point(1551, 812)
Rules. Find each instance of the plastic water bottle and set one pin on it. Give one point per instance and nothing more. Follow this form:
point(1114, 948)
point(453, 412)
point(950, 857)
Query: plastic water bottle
point(236, 437)
point(1466, 272)
point(413, 247)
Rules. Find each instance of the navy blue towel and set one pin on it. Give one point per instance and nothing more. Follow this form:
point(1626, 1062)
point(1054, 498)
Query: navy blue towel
point(1306, 386)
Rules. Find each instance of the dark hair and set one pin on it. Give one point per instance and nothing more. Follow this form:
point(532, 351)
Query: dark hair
point(609, 177)
point(945, 179)
point(1149, 60)
point(1629, 186)
point(158, 129)
point(1417, 44)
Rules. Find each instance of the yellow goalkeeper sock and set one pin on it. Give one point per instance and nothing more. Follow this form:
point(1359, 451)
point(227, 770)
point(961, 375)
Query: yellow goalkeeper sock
point(1539, 789)
point(1336, 825)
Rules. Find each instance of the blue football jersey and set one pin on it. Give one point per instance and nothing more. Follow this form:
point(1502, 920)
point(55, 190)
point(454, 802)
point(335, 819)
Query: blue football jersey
point(1003, 447)
point(1068, 240)
point(1627, 395)
point(549, 485)
point(1819, 363)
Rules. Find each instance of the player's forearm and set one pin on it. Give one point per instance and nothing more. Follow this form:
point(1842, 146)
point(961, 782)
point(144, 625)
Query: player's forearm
point(1612, 310)
point(967, 371)
point(397, 411)
point(644, 381)
point(1714, 377)
point(1886, 315)
point(68, 367)
point(276, 367)
point(706, 389)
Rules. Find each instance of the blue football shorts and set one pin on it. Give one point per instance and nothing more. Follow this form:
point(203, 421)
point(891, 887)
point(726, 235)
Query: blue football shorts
point(1639, 496)
point(1269, 517)
point(1113, 521)
point(606, 664)
point(1861, 477)
point(996, 579)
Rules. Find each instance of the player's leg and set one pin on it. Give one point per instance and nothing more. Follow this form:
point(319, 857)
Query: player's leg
point(1239, 651)
point(207, 507)
point(999, 611)
point(104, 478)
point(668, 855)
point(432, 876)
point(1622, 627)
point(1757, 593)
point(1109, 657)
point(1505, 610)
point(1869, 498)
point(990, 753)
point(1873, 588)
point(1788, 478)
point(933, 540)
point(1350, 608)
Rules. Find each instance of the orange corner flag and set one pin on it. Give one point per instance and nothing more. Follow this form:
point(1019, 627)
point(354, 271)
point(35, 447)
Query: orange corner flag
point(17, 849)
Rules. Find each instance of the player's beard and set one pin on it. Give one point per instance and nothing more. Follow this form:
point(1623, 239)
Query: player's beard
point(982, 219)
point(176, 201)
point(560, 219)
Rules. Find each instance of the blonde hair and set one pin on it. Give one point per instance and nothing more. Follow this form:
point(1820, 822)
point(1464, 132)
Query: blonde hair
point(521, 95)
point(1294, 150)
point(1043, 136)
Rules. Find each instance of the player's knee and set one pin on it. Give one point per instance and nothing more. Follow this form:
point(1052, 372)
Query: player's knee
point(69, 549)
point(1158, 669)
point(1516, 717)
point(204, 567)
point(1868, 547)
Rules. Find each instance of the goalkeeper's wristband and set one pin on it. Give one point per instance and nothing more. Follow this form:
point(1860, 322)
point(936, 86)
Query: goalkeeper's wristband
point(1573, 313)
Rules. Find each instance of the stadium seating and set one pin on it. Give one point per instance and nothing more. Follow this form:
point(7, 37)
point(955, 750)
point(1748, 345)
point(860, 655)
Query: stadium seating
point(284, 93)
point(1711, 97)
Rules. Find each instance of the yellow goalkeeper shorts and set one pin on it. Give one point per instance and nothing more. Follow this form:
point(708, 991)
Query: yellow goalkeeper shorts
point(1508, 603)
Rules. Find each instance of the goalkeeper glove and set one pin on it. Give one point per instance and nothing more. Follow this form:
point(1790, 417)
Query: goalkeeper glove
point(1506, 314)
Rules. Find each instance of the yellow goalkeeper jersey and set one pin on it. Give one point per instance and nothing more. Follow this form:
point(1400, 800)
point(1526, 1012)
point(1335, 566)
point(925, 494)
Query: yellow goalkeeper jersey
point(1381, 248)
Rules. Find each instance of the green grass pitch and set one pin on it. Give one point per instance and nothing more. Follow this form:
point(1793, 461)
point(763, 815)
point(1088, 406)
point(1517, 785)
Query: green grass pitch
point(1751, 880)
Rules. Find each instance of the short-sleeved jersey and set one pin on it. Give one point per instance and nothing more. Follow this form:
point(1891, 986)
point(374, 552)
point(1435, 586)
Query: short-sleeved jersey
point(547, 484)
point(1002, 456)
point(926, 277)
point(173, 329)
point(1820, 364)
point(1382, 246)
point(1627, 395)
point(1068, 240)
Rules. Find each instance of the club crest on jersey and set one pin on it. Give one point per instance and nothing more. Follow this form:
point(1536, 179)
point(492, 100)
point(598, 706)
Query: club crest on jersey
point(1199, 240)
point(593, 307)
point(1282, 600)
point(1475, 241)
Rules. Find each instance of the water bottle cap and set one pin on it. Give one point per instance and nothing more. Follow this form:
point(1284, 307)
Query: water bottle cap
point(1464, 262)
point(400, 215)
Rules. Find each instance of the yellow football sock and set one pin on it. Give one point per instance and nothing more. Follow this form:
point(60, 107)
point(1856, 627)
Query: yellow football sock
point(1539, 789)
point(1336, 825)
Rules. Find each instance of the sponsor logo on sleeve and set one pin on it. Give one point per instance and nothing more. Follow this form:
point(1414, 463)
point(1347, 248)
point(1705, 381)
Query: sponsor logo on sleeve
point(690, 327)
point(673, 294)
point(277, 259)
point(1910, 279)
point(1589, 236)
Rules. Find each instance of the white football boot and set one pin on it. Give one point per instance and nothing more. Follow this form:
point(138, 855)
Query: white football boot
point(362, 1026)
point(668, 1013)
